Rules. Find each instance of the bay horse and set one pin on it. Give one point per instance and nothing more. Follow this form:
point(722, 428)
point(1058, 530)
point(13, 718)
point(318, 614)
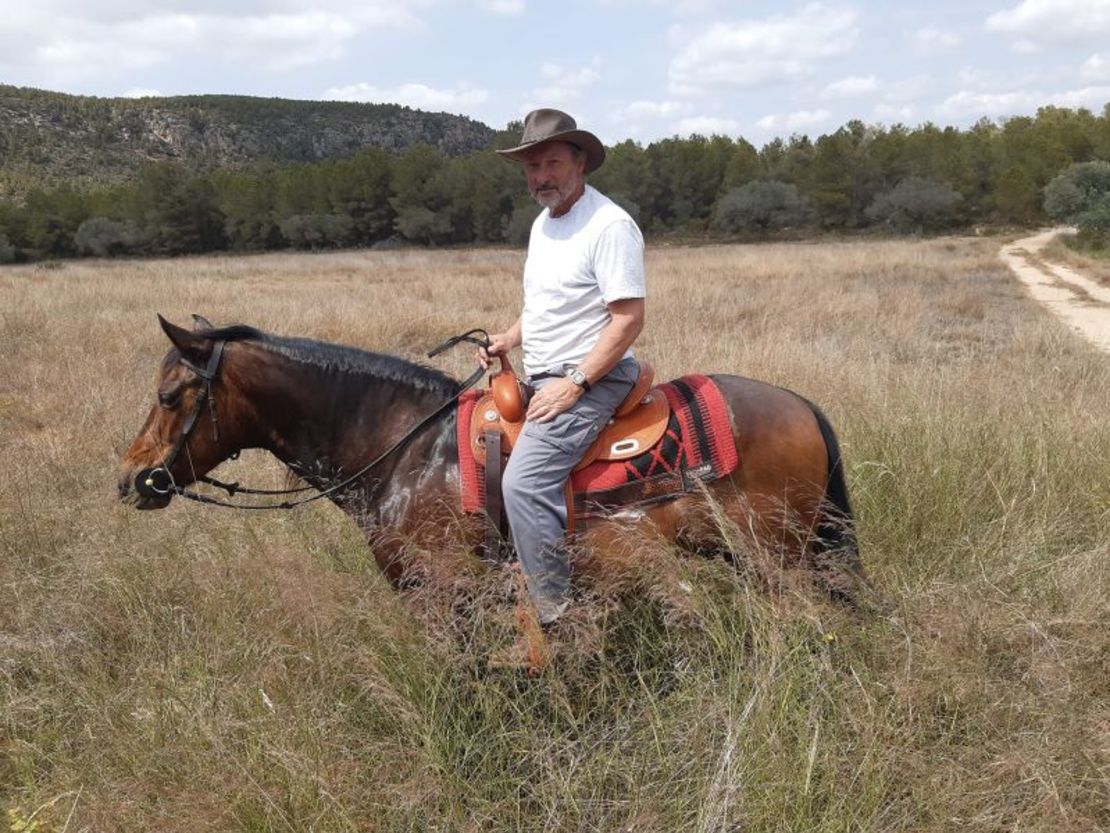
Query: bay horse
point(326, 410)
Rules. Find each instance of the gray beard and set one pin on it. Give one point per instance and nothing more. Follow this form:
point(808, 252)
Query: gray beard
point(553, 199)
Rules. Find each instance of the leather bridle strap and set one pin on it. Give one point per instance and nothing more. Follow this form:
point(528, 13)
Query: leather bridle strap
point(208, 375)
point(147, 477)
point(470, 336)
point(289, 504)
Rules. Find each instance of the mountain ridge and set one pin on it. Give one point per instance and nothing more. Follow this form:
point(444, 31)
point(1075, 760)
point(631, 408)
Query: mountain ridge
point(50, 138)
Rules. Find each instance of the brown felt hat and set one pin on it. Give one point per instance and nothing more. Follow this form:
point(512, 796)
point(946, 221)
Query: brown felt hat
point(547, 125)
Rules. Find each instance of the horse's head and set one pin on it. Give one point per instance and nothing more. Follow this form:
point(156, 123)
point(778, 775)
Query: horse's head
point(186, 433)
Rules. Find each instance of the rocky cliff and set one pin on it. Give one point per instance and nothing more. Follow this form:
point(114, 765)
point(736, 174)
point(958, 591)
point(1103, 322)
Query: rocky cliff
point(49, 138)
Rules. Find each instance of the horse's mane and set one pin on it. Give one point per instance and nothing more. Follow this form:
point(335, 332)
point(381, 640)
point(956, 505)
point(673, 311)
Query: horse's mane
point(341, 358)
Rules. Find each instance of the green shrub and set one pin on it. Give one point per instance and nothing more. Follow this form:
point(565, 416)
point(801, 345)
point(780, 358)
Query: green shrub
point(915, 204)
point(759, 206)
point(1081, 195)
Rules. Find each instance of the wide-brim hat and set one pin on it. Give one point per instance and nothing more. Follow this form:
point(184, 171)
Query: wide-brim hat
point(547, 125)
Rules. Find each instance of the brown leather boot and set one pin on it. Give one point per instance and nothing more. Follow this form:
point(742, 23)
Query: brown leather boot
point(530, 652)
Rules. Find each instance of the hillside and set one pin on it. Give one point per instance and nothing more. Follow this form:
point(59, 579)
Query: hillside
point(49, 138)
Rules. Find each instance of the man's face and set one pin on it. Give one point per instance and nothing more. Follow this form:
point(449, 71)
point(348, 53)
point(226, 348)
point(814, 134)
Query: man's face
point(555, 175)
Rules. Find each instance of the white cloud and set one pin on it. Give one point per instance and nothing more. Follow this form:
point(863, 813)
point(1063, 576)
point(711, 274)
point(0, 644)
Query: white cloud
point(914, 87)
point(706, 126)
point(60, 43)
point(969, 103)
point(1084, 97)
point(689, 7)
point(652, 109)
point(419, 96)
point(1097, 67)
point(1054, 21)
point(929, 41)
point(507, 7)
point(894, 112)
point(1025, 47)
point(854, 85)
point(573, 78)
point(567, 85)
point(793, 121)
point(752, 53)
point(679, 8)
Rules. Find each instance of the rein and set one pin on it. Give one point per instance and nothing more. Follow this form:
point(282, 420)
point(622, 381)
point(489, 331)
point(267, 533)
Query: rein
point(158, 481)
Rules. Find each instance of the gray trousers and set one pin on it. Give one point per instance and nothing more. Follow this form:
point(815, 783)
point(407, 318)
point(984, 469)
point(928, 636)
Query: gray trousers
point(535, 503)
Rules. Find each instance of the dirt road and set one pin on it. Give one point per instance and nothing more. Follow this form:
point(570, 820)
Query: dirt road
point(1078, 301)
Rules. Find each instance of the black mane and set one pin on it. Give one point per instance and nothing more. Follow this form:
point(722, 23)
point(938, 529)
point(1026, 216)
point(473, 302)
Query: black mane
point(341, 358)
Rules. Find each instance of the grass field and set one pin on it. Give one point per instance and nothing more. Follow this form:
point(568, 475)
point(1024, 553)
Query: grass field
point(195, 669)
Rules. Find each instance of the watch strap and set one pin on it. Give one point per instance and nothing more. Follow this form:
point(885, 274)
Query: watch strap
point(579, 378)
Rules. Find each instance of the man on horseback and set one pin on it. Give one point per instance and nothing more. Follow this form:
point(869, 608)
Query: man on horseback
point(583, 309)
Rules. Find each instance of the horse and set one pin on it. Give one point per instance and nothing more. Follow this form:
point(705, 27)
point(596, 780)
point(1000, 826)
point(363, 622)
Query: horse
point(376, 435)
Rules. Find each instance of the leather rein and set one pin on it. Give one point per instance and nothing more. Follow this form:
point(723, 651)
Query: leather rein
point(157, 481)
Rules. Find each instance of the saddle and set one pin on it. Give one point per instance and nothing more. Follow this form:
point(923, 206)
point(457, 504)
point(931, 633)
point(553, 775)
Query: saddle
point(498, 418)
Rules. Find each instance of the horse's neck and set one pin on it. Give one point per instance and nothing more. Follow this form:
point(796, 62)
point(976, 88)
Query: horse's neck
point(326, 427)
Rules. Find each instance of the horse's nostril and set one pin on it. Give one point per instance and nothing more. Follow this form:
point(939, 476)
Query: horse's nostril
point(124, 486)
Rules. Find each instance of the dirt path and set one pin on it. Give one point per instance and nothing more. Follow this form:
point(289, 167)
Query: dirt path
point(1078, 301)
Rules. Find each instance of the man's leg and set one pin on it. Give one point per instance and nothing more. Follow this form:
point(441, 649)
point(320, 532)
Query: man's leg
point(533, 487)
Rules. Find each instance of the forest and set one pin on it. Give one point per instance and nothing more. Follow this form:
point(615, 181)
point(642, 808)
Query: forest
point(859, 178)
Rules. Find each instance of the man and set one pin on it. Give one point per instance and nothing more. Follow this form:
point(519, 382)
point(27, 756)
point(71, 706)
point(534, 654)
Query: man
point(583, 309)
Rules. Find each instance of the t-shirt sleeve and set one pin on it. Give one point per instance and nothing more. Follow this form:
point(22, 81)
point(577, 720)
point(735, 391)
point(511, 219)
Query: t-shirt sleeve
point(619, 261)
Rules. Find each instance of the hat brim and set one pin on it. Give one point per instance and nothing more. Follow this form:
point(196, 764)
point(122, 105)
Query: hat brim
point(595, 151)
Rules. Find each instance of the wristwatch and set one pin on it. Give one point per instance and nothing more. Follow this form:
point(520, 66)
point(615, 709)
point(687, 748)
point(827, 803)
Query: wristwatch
point(579, 378)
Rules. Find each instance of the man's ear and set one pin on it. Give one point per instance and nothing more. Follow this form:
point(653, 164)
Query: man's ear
point(201, 323)
point(192, 346)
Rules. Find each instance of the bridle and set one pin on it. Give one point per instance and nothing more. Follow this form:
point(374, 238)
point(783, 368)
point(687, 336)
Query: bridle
point(157, 481)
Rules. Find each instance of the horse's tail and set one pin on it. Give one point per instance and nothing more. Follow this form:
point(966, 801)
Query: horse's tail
point(835, 547)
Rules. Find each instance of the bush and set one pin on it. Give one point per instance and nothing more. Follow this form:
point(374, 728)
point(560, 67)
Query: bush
point(1081, 195)
point(518, 225)
point(104, 237)
point(759, 206)
point(7, 250)
point(422, 225)
point(316, 231)
point(915, 204)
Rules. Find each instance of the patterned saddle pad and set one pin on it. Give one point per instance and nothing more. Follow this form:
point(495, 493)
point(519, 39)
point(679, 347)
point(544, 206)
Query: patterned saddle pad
point(697, 447)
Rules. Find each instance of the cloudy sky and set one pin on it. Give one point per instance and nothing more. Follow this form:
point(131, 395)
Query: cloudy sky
point(641, 69)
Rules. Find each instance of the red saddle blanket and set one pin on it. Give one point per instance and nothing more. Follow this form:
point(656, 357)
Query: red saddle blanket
point(697, 447)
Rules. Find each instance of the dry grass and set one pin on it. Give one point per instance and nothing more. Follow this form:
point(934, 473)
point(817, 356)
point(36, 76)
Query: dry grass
point(1093, 264)
point(194, 669)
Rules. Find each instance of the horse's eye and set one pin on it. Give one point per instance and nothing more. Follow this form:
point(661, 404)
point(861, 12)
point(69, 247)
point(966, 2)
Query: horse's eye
point(168, 398)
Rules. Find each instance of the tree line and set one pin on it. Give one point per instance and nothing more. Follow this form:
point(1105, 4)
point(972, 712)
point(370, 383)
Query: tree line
point(859, 177)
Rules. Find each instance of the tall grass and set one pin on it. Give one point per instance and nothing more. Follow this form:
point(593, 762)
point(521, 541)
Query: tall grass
point(194, 669)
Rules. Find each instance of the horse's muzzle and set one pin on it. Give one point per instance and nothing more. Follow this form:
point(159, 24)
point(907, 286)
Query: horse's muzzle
point(153, 483)
point(150, 488)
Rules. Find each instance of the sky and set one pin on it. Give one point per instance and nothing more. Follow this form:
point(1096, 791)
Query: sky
point(626, 69)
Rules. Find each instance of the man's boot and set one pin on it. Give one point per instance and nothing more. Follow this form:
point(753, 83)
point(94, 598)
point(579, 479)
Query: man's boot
point(531, 651)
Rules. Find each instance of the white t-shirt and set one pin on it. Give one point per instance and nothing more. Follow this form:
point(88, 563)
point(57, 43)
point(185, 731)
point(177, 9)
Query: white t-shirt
point(577, 264)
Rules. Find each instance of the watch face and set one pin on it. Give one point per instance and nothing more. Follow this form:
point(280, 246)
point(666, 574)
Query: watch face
point(577, 376)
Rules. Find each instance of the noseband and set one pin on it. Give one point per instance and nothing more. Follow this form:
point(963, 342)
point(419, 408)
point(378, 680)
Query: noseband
point(158, 482)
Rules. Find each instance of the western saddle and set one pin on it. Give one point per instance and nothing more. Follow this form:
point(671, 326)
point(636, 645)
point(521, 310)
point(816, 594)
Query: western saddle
point(498, 419)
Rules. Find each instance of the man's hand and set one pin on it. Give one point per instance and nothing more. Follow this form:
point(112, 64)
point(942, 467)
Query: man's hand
point(551, 400)
point(499, 345)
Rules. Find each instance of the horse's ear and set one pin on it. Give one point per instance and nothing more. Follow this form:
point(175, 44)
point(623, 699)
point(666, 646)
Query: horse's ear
point(201, 323)
point(190, 344)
